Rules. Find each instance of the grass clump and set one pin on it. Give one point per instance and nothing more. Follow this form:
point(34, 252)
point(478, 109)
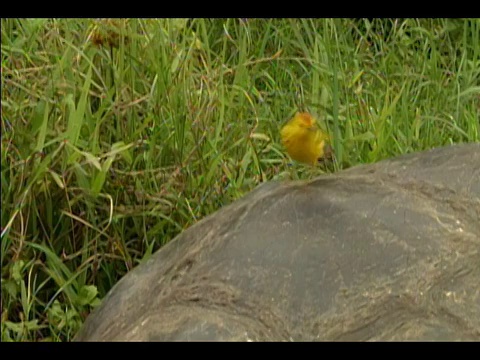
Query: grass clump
point(118, 134)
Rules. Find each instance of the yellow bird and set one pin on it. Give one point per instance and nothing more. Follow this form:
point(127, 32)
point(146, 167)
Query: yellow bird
point(303, 140)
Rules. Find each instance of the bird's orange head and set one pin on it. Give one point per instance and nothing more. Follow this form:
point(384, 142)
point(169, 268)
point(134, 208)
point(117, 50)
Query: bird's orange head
point(305, 119)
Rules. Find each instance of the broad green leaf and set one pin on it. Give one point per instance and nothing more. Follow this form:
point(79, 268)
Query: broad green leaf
point(99, 180)
point(87, 294)
point(57, 179)
point(76, 117)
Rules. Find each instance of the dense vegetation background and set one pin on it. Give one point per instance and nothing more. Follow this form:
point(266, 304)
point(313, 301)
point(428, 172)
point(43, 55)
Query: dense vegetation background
point(119, 134)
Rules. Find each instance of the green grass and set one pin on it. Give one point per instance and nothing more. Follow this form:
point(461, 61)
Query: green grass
point(111, 150)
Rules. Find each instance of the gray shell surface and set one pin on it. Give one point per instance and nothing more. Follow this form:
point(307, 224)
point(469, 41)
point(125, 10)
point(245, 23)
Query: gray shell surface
point(386, 251)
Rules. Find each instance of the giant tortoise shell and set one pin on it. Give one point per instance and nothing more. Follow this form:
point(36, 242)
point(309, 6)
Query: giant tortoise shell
point(386, 251)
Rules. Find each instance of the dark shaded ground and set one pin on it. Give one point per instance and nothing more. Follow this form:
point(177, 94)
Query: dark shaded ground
point(388, 251)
